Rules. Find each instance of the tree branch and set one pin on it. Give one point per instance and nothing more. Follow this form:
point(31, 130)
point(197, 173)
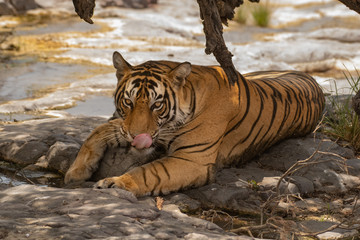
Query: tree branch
point(352, 4)
point(212, 22)
point(85, 9)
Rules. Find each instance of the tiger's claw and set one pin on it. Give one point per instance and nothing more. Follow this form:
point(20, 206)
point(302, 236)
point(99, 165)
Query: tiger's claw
point(123, 182)
point(105, 183)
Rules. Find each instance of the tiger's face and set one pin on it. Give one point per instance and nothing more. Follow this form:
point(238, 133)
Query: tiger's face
point(147, 98)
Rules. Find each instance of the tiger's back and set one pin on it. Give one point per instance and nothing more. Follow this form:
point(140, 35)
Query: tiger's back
point(202, 121)
point(277, 105)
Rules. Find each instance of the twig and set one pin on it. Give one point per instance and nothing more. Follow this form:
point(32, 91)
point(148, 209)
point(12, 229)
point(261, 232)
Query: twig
point(26, 178)
point(249, 228)
point(294, 166)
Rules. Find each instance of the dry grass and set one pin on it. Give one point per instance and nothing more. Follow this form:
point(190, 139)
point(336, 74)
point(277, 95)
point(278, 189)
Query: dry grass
point(341, 122)
point(258, 14)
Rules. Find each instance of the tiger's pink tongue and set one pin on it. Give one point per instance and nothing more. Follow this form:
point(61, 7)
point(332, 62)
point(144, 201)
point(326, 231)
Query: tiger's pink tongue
point(141, 141)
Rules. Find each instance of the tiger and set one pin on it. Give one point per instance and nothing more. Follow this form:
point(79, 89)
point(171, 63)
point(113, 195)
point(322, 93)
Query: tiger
point(204, 122)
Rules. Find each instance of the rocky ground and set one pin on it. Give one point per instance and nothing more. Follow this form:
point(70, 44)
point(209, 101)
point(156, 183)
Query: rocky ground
point(299, 187)
point(54, 64)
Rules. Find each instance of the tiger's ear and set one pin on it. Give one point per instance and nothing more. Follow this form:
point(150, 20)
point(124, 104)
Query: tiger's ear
point(179, 74)
point(121, 65)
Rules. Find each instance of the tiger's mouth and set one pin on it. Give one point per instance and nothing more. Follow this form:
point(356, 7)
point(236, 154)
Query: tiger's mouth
point(142, 141)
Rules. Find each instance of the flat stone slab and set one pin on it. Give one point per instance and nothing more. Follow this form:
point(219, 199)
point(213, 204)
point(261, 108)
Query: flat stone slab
point(32, 212)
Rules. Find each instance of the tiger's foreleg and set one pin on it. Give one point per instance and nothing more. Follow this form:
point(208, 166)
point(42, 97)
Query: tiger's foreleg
point(93, 149)
point(162, 176)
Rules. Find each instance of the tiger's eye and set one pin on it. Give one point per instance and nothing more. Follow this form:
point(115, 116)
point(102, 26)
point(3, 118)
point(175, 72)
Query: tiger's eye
point(156, 105)
point(127, 102)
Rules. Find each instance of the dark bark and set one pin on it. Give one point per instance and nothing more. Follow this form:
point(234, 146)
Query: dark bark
point(85, 9)
point(215, 43)
point(356, 103)
point(214, 13)
point(352, 4)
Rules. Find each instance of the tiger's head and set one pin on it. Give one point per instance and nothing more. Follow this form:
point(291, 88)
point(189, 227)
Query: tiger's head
point(148, 98)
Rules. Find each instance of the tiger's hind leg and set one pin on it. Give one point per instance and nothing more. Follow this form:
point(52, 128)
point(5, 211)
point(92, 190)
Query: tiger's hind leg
point(93, 149)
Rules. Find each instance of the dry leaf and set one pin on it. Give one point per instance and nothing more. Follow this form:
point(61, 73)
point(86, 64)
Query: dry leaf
point(159, 202)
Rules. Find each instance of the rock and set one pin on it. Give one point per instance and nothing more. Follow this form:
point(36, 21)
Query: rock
point(96, 214)
point(23, 152)
point(136, 4)
point(22, 6)
point(356, 103)
point(336, 34)
point(54, 143)
point(353, 166)
point(184, 202)
point(16, 6)
point(231, 198)
point(337, 233)
point(285, 187)
point(6, 8)
point(60, 153)
point(311, 204)
point(324, 169)
point(286, 153)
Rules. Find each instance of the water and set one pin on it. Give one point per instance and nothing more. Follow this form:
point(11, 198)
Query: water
point(13, 175)
point(95, 106)
point(30, 78)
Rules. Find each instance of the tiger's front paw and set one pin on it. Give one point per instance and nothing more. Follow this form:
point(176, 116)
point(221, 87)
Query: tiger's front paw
point(107, 183)
point(76, 175)
point(124, 182)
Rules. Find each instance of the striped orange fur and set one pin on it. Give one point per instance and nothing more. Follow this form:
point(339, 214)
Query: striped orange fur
point(203, 122)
